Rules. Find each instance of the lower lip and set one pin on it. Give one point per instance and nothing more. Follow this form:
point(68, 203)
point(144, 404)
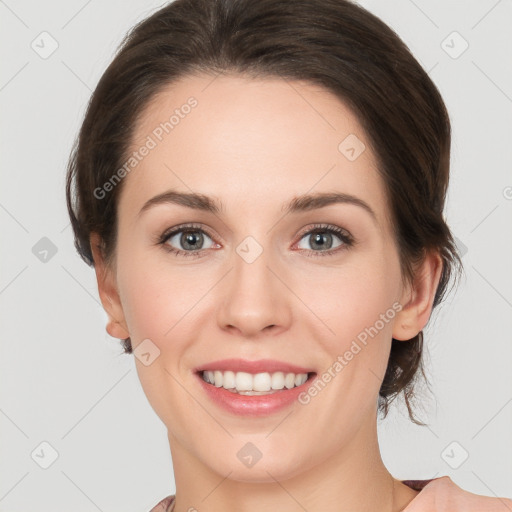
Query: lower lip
point(255, 405)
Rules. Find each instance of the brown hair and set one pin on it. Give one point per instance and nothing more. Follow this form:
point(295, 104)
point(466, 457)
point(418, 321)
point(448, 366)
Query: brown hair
point(333, 43)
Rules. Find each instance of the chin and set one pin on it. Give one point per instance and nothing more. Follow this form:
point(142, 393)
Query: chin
point(267, 469)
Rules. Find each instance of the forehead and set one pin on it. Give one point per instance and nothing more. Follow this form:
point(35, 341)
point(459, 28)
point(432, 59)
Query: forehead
point(264, 140)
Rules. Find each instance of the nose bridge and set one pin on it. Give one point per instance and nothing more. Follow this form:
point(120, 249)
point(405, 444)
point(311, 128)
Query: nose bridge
point(255, 298)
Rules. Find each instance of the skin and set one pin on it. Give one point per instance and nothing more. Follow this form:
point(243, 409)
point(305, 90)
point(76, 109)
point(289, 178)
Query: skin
point(254, 145)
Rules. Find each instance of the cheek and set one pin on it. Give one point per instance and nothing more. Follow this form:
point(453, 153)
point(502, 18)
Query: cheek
point(157, 303)
point(354, 300)
point(357, 307)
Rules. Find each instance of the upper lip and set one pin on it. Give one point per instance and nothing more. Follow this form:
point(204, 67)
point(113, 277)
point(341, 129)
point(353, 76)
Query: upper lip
point(259, 366)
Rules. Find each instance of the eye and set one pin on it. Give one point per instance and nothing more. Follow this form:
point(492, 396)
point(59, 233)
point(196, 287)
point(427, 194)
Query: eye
point(323, 240)
point(186, 240)
point(191, 240)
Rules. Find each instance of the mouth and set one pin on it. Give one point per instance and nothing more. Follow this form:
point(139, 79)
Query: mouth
point(253, 388)
point(248, 384)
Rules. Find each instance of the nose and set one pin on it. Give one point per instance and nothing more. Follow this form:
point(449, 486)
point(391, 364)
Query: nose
point(255, 301)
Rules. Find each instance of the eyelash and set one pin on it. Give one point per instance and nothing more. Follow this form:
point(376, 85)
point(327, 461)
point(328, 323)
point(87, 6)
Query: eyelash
point(342, 234)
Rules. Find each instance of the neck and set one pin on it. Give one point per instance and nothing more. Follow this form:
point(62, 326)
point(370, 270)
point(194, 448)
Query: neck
point(353, 479)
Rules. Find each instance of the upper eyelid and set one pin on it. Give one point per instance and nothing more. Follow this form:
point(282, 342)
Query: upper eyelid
point(168, 233)
point(326, 227)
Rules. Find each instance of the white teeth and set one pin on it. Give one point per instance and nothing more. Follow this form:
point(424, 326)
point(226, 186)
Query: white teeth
point(243, 381)
point(259, 383)
point(228, 380)
point(217, 379)
point(262, 382)
point(278, 380)
point(299, 379)
point(289, 380)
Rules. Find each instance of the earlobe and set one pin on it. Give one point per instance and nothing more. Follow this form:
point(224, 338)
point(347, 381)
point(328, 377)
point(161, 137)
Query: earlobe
point(107, 289)
point(419, 298)
point(116, 330)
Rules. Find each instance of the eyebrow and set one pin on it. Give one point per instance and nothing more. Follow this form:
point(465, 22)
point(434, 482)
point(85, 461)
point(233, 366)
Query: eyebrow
point(301, 203)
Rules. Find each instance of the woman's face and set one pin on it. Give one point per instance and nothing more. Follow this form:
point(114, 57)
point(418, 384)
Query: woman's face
point(301, 282)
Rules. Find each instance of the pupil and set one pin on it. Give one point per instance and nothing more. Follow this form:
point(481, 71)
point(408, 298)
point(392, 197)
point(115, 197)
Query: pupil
point(190, 239)
point(317, 240)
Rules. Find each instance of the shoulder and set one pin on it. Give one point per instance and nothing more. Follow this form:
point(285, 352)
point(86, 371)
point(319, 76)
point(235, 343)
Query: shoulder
point(163, 505)
point(444, 495)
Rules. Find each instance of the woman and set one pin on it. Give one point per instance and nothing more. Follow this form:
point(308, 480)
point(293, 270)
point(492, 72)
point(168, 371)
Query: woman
point(260, 188)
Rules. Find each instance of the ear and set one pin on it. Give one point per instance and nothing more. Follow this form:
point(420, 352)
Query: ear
point(417, 299)
point(107, 289)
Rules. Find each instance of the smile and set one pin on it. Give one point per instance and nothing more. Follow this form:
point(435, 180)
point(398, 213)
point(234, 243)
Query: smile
point(253, 388)
point(259, 384)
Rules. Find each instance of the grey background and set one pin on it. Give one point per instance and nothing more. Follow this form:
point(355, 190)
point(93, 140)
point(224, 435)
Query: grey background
point(62, 378)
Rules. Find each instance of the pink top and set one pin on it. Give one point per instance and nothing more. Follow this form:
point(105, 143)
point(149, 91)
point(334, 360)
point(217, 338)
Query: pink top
point(436, 495)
